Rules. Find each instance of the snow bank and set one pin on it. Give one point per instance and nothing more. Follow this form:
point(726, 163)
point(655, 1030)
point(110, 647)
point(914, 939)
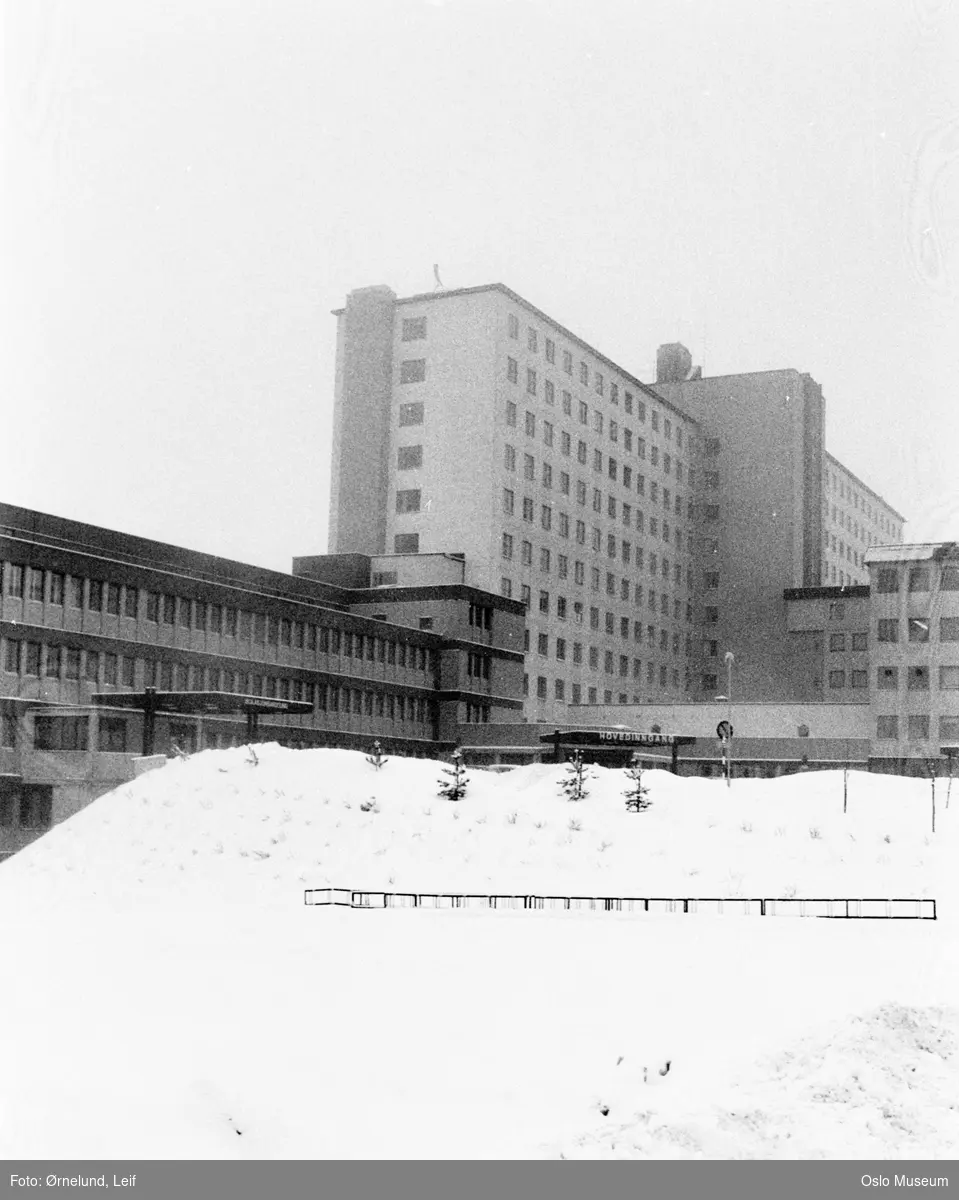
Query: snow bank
point(174, 998)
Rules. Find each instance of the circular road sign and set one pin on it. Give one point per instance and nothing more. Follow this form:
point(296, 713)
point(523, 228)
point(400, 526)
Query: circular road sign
point(724, 730)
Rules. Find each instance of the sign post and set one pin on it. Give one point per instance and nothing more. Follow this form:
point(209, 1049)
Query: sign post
point(724, 731)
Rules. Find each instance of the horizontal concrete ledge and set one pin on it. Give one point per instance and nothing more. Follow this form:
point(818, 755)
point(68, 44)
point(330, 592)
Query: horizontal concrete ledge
point(842, 908)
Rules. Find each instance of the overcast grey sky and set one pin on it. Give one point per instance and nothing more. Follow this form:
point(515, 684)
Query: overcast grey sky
point(191, 186)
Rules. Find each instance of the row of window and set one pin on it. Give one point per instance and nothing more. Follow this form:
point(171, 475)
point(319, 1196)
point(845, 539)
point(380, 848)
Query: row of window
point(666, 679)
point(847, 492)
point(576, 532)
point(656, 601)
point(855, 641)
point(609, 666)
point(42, 660)
point(562, 481)
point(593, 377)
point(614, 509)
point(918, 629)
point(546, 558)
point(668, 464)
point(917, 678)
point(55, 588)
point(917, 728)
point(917, 579)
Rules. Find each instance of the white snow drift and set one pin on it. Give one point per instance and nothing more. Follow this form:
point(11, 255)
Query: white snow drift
point(171, 996)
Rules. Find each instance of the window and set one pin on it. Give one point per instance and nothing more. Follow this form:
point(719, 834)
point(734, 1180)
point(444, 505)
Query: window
point(529, 467)
point(550, 350)
point(711, 614)
point(887, 629)
point(512, 322)
point(408, 501)
point(919, 579)
point(532, 340)
point(918, 728)
point(531, 381)
point(949, 629)
point(411, 414)
point(918, 629)
point(526, 554)
point(509, 457)
point(530, 424)
point(95, 596)
point(949, 729)
point(406, 543)
point(859, 679)
point(567, 404)
point(112, 735)
point(414, 328)
point(13, 579)
point(130, 598)
point(541, 687)
point(508, 502)
point(525, 600)
point(860, 641)
point(837, 641)
point(837, 679)
point(542, 644)
point(546, 516)
point(507, 550)
point(413, 370)
point(917, 679)
point(544, 560)
point(887, 678)
point(887, 729)
point(424, 623)
point(52, 665)
point(949, 581)
point(408, 457)
point(60, 733)
point(887, 579)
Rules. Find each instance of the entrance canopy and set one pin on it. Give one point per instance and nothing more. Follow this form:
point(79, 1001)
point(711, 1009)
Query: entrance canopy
point(152, 702)
point(616, 739)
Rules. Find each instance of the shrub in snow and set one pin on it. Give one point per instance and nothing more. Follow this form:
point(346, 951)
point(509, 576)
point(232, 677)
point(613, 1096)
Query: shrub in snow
point(573, 786)
point(574, 825)
point(512, 818)
point(636, 792)
point(376, 758)
point(814, 833)
point(251, 758)
point(370, 805)
point(454, 786)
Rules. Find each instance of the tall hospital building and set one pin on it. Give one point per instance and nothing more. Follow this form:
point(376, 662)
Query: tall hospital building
point(649, 529)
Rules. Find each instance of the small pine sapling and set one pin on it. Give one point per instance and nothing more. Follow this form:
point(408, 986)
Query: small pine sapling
point(573, 786)
point(376, 757)
point(636, 792)
point(252, 759)
point(454, 788)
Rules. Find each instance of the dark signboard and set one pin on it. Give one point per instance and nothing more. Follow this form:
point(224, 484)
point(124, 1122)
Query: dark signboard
point(614, 737)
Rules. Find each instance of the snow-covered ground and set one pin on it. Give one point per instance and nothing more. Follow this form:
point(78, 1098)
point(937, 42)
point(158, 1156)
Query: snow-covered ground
point(168, 994)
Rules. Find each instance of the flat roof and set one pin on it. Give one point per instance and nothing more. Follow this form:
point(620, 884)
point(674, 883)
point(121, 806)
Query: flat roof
point(422, 297)
point(827, 593)
point(914, 552)
point(197, 703)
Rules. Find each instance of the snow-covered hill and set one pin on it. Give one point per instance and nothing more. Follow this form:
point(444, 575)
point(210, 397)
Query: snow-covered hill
point(172, 997)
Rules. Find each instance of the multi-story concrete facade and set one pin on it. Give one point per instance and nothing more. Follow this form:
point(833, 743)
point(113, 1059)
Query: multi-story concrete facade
point(778, 513)
point(915, 659)
point(647, 530)
point(471, 422)
point(89, 613)
point(854, 519)
point(827, 644)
